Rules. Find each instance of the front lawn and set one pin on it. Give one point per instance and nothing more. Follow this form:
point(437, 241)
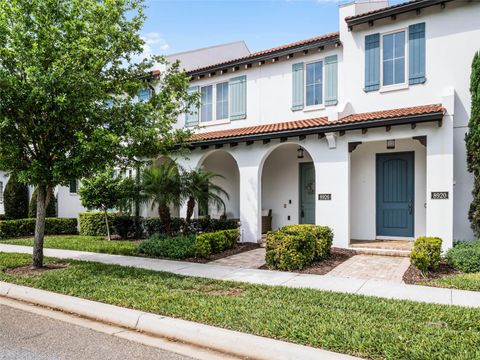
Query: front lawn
point(358, 325)
point(83, 243)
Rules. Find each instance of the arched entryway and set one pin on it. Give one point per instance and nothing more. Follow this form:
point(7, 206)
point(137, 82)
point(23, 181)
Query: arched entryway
point(223, 163)
point(288, 186)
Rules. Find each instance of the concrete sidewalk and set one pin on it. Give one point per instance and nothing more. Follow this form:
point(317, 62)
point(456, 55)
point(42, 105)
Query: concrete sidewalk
point(370, 287)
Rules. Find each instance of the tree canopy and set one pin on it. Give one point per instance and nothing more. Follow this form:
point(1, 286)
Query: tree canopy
point(68, 86)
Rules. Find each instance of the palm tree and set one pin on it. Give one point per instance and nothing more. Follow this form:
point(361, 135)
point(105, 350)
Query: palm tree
point(162, 186)
point(198, 187)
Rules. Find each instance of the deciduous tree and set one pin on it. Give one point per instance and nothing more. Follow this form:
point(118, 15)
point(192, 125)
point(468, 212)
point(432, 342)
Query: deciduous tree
point(68, 86)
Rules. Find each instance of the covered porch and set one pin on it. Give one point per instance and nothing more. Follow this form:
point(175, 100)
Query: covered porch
point(370, 177)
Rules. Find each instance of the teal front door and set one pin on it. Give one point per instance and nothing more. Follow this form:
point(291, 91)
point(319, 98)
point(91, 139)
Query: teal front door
point(307, 193)
point(395, 194)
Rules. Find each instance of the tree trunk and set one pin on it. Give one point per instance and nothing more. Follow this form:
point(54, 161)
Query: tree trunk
point(106, 223)
point(37, 258)
point(164, 213)
point(190, 207)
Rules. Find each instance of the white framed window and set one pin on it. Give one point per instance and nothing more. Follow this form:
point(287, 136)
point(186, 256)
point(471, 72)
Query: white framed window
point(221, 103)
point(314, 84)
point(394, 59)
point(206, 107)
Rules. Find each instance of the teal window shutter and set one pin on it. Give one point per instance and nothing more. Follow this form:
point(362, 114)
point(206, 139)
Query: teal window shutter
point(416, 54)
point(372, 62)
point(238, 98)
point(191, 117)
point(297, 86)
point(331, 80)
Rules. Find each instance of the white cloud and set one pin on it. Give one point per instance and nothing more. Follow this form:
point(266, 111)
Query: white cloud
point(155, 44)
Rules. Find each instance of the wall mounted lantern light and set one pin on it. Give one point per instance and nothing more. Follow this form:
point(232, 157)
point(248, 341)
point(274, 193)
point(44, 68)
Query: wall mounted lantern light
point(390, 144)
point(300, 153)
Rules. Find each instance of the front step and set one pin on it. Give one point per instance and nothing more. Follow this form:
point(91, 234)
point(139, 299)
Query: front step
point(382, 252)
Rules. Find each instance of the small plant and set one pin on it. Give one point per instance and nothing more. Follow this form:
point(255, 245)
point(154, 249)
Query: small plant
point(178, 247)
point(426, 252)
point(465, 256)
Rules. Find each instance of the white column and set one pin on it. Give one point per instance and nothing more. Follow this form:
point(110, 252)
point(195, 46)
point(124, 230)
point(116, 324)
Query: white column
point(440, 179)
point(332, 173)
point(250, 200)
point(187, 164)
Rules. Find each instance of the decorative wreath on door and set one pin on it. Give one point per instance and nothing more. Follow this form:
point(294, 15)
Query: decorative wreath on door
point(310, 187)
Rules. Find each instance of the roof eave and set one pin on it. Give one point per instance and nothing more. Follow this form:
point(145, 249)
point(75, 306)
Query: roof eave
point(388, 12)
point(402, 120)
point(322, 42)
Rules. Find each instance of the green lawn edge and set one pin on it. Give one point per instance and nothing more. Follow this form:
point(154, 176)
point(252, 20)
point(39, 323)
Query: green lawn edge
point(357, 325)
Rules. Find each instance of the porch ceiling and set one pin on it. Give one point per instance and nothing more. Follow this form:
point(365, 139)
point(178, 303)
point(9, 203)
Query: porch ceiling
point(283, 130)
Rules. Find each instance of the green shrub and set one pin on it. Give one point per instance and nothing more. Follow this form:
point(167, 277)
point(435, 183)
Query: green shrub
point(323, 237)
point(51, 208)
point(153, 226)
point(202, 225)
point(465, 256)
point(295, 246)
point(178, 247)
point(426, 252)
point(207, 244)
point(93, 223)
point(15, 200)
point(26, 227)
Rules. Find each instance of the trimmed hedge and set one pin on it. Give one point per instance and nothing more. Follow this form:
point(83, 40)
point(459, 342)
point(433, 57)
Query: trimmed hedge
point(178, 247)
point(465, 256)
point(93, 224)
point(294, 247)
point(26, 227)
point(426, 253)
point(207, 244)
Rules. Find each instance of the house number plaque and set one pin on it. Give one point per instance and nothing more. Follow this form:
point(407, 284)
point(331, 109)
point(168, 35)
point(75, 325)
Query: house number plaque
point(324, 196)
point(439, 195)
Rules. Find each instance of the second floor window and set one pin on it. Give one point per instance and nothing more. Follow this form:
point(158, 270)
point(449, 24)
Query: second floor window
point(73, 186)
point(222, 101)
point(393, 58)
point(207, 103)
point(314, 84)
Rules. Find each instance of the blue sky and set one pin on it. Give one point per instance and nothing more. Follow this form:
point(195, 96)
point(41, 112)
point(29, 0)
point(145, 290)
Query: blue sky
point(178, 25)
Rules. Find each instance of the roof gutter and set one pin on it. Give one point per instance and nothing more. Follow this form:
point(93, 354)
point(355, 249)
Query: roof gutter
point(329, 41)
point(322, 129)
point(393, 11)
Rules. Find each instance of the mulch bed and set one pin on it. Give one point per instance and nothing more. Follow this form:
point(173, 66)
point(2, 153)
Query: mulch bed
point(414, 276)
point(29, 270)
point(239, 248)
point(336, 257)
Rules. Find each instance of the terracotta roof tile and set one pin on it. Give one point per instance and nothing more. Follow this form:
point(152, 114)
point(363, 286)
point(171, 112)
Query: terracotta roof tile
point(321, 122)
point(261, 129)
point(390, 114)
point(270, 51)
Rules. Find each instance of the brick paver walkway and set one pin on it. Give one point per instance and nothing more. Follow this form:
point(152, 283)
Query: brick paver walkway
point(388, 268)
point(252, 259)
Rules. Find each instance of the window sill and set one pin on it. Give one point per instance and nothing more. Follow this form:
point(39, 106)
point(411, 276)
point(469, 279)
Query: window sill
point(314, 108)
point(214, 122)
point(395, 87)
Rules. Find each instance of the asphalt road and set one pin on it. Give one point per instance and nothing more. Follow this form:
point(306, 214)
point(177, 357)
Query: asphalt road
point(27, 336)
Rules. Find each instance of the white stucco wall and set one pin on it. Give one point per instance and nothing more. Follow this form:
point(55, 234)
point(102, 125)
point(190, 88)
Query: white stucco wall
point(222, 163)
point(69, 205)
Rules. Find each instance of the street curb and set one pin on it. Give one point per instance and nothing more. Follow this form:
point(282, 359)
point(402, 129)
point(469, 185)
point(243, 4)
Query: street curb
point(215, 338)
